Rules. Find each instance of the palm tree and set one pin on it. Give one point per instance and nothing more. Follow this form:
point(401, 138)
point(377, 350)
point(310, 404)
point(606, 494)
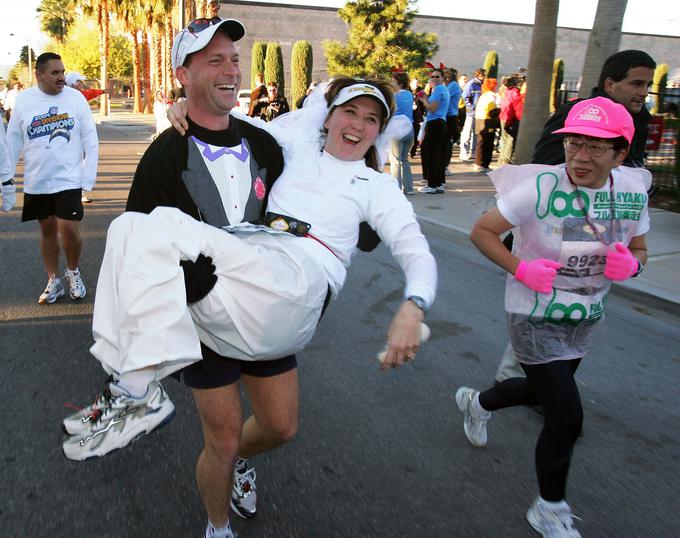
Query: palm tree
point(539, 76)
point(99, 9)
point(130, 13)
point(603, 41)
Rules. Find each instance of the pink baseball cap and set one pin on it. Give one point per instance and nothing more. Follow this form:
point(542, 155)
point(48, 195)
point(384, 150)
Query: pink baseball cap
point(599, 117)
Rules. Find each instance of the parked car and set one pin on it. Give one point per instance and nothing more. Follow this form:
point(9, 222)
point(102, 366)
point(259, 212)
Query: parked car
point(243, 99)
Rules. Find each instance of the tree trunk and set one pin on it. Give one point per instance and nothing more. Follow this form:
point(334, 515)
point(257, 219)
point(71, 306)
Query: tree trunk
point(169, 77)
point(603, 42)
point(539, 76)
point(136, 74)
point(148, 98)
point(157, 58)
point(103, 19)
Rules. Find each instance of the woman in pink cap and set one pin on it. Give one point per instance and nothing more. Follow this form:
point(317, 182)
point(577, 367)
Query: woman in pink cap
point(578, 227)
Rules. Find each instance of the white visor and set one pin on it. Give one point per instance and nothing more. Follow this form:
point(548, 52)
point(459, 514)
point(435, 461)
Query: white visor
point(357, 90)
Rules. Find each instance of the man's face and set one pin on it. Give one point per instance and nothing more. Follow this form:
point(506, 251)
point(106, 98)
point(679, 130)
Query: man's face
point(51, 79)
point(585, 169)
point(213, 77)
point(632, 91)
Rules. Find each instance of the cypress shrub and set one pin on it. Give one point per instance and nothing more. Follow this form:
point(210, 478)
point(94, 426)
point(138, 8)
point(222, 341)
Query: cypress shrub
point(257, 61)
point(557, 79)
point(659, 87)
point(491, 64)
point(273, 66)
point(300, 70)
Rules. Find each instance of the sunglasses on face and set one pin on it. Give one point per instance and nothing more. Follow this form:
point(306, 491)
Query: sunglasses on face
point(594, 150)
point(435, 76)
point(198, 25)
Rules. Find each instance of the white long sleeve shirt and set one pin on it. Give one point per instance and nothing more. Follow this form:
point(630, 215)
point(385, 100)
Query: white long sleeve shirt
point(58, 136)
point(6, 165)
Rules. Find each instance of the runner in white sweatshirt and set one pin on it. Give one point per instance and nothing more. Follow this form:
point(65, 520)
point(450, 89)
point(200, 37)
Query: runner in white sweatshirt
point(53, 126)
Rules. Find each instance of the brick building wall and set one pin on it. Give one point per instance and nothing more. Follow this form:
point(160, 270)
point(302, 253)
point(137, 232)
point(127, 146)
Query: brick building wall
point(462, 43)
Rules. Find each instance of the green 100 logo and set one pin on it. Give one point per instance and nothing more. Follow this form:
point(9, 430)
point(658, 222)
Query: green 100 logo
point(558, 203)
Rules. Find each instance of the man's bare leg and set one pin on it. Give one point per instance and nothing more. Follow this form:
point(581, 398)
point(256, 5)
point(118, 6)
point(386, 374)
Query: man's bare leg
point(221, 417)
point(275, 403)
point(71, 242)
point(49, 244)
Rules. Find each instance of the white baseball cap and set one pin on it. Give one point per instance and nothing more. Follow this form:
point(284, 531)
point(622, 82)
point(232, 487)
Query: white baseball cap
point(357, 90)
point(198, 34)
point(72, 78)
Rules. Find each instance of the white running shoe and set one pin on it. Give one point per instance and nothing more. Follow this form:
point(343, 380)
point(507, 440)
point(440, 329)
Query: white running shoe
point(552, 522)
point(244, 493)
point(123, 420)
point(474, 424)
point(82, 420)
point(76, 287)
point(210, 532)
point(53, 291)
point(428, 190)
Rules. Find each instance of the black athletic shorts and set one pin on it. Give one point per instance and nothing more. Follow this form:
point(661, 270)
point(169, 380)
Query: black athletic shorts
point(65, 205)
point(217, 371)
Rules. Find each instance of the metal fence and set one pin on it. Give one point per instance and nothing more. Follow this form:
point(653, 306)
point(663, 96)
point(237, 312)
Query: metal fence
point(663, 154)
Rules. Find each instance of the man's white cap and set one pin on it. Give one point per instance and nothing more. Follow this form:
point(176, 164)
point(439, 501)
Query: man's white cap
point(72, 78)
point(198, 34)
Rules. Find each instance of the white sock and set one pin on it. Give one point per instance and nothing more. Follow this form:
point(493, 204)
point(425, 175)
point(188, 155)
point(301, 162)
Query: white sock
point(136, 382)
point(214, 532)
point(477, 407)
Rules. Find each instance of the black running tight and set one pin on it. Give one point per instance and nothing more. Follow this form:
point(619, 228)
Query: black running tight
point(552, 385)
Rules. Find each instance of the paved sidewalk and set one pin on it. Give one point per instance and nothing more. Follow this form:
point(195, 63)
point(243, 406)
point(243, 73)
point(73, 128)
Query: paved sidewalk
point(469, 194)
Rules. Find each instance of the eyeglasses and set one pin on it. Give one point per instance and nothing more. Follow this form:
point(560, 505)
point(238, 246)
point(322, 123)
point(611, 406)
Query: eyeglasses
point(435, 76)
point(198, 25)
point(594, 150)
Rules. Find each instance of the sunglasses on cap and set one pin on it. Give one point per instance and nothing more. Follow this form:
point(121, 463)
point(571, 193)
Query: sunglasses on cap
point(198, 25)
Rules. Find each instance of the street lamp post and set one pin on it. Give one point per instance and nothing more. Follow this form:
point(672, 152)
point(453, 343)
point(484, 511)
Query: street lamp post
point(30, 59)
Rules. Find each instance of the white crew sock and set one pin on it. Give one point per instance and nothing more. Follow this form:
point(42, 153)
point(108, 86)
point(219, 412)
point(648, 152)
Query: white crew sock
point(213, 532)
point(136, 382)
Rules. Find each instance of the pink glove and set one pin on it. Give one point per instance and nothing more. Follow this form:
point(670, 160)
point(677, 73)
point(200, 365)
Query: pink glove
point(620, 264)
point(538, 274)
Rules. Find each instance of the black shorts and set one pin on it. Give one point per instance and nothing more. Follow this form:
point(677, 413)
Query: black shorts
point(66, 205)
point(217, 371)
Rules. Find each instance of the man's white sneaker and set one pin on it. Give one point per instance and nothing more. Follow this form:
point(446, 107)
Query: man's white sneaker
point(474, 423)
point(76, 287)
point(122, 420)
point(552, 522)
point(244, 494)
point(428, 190)
point(82, 420)
point(53, 291)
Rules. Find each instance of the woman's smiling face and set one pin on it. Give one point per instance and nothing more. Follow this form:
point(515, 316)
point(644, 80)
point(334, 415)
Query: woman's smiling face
point(352, 128)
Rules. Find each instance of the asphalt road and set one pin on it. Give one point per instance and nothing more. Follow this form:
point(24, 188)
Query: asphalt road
point(377, 454)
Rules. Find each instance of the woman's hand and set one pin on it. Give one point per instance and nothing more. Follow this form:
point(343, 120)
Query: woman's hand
point(177, 115)
point(403, 337)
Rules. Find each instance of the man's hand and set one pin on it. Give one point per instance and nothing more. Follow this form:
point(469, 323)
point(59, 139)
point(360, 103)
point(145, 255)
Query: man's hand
point(199, 278)
point(9, 196)
point(403, 337)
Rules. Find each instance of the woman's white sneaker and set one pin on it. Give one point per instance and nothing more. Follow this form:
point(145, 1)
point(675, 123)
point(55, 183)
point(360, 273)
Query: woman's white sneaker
point(554, 521)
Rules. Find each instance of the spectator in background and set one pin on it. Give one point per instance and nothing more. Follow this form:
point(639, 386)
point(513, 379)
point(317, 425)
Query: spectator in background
point(418, 114)
point(512, 106)
point(300, 102)
point(433, 148)
point(400, 167)
point(213, 9)
point(11, 99)
point(486, 123)
point(258, 93)
point(273, 106)
point(471, 92)
point(77, 81)
point(452, 131)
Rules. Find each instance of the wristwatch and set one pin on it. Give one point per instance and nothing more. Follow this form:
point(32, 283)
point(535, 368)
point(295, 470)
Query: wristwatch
point(639, 269)
point(10, 181)
point(419, 302)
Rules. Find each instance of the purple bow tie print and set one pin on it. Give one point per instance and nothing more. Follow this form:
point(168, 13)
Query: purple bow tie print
point(241, 153)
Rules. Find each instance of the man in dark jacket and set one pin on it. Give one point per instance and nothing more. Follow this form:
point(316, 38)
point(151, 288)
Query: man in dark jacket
point(625, 79)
